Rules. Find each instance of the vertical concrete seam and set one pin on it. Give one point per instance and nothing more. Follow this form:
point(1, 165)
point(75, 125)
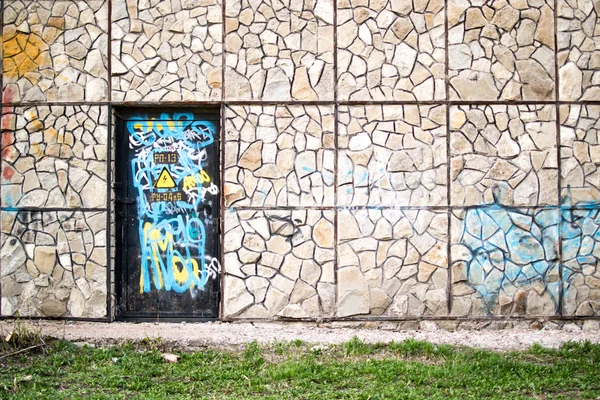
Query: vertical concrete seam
point(109, 225)
point(1, 118)
point(448, 162)
point(222, 108)
point(559, 308)
point(109, 51)
point(109, 143)
point(335, 158)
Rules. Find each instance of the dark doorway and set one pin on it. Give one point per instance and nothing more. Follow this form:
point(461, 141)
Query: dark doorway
point(167, 187)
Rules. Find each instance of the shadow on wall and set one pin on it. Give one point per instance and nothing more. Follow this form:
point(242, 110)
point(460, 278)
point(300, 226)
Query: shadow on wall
point(509, 258)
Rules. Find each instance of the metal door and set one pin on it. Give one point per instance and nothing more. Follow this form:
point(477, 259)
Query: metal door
point(167, 214)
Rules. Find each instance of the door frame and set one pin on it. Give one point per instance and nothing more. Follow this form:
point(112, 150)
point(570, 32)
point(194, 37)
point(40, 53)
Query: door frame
point(120, 201)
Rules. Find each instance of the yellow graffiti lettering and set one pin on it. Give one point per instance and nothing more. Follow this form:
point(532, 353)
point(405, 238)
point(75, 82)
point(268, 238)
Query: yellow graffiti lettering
point(204, 176)
point(162, 244)
point(189, 182)
point(180, 270)
point(157, 247)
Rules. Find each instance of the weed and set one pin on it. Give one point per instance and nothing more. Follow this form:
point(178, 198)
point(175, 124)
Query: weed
point(154, 344)
point(280, 347)
point(22, 336)
point(357, 346)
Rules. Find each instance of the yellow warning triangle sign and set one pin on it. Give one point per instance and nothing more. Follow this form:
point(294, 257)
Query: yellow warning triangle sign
point(165, 180)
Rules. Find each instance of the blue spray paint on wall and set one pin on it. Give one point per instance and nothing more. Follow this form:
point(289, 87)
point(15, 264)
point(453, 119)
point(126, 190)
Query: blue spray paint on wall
point(580, 232)
point(510, 249)
point(172, 189)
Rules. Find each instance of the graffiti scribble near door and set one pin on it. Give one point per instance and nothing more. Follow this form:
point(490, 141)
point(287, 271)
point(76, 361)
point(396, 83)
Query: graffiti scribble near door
point(176, 197)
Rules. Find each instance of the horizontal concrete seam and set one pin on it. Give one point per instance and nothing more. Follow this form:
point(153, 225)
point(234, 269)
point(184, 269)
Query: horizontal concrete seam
point(52, 209)
point(291, 103)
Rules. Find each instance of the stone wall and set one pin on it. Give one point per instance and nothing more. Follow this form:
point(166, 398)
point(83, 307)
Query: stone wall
point(381, 158)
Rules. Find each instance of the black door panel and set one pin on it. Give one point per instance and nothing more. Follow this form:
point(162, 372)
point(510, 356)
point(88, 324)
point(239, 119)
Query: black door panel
point(168, 191)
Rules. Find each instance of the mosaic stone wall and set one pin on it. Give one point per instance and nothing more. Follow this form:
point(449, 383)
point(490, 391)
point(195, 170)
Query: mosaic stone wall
point(54, 263)
point(381, 158)
point(279, 263)
point(55, 51)
point(166, 52)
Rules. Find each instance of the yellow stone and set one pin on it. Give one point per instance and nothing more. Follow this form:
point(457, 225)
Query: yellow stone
point(27, 66)
point(22, 40)
point(9, 68)
point(32, 50)
point(11, 48)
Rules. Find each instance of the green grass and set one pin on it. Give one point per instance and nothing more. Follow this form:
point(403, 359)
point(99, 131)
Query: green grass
point(297, 370)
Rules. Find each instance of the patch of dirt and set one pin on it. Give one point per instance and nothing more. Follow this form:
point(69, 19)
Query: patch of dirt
point(234, 335)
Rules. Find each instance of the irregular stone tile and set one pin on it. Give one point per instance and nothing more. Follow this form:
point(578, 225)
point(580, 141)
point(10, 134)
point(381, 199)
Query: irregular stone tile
point(578, 50)
point(391, 50)
point(53, 264)
point(504, 261)
point(392, 262)
point(169, 51)
point(580, 153)
point(54, 156)
point(503, 154)
point(279, 156)
point(279, 50)
point(581, 261)
point(279, 263)
point(501, 50)
point(392, 155)
point(55, 51)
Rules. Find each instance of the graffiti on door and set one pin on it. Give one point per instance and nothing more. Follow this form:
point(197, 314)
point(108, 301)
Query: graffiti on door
point(175, 198)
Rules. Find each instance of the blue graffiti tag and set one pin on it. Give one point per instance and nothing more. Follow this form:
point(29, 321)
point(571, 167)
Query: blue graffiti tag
point(172, 233)
point(510, 249)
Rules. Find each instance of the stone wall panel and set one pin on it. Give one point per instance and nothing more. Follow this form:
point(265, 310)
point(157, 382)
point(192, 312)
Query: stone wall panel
point(501, 50)
point(578, 50)
point(55, 51)
point(169, 51)
point(392, 155)
point(279, 156)
point(54, 264)
point(580, 153)
point(503, 154)
point(392, 262)
point(581, 261)
point(279, 263)
point(54, 156)
point(505, 261)
point(279, 50)
point(391, 50)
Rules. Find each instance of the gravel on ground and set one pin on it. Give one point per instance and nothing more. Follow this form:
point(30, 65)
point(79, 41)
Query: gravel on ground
point(235, 335)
